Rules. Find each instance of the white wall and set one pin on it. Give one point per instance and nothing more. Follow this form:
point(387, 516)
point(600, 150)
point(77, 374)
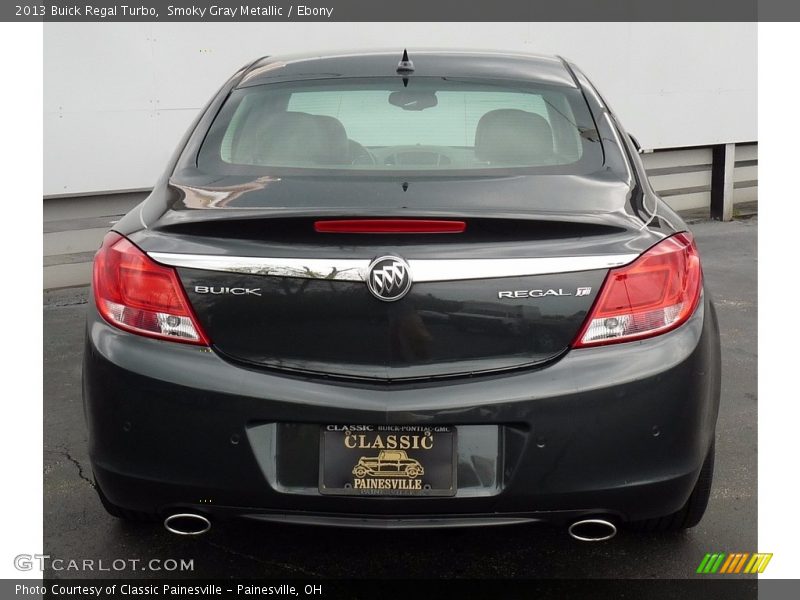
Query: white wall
point(118, 96)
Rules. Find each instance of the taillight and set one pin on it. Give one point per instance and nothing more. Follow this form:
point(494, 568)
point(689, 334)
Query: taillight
point(656, 293)
point(137, 294)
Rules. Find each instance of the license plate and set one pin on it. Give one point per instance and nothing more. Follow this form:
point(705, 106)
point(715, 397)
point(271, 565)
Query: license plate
point(387, 460)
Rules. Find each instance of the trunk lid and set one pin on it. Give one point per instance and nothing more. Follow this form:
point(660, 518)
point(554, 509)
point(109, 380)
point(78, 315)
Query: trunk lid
point(443, 328)
point(511, 291)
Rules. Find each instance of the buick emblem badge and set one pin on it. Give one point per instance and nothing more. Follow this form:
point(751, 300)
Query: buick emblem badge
point(388, 278)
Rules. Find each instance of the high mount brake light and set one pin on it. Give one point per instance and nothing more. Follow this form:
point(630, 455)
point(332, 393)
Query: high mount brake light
point(136, 294)
point(654, 294)
point(389, 226)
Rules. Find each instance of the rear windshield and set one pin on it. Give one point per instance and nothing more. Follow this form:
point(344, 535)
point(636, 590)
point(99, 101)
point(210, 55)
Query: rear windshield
point(381, 125)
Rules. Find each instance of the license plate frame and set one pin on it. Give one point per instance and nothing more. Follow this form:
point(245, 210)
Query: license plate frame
point(409, 461)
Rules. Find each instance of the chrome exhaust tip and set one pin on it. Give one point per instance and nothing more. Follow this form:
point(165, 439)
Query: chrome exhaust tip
point(592, 530)
point(187, 524)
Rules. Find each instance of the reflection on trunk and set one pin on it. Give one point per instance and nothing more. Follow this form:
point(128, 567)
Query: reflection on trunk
point(440, 328)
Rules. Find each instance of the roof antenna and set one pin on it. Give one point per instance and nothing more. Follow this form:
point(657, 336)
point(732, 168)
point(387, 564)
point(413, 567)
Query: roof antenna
point(405, 65)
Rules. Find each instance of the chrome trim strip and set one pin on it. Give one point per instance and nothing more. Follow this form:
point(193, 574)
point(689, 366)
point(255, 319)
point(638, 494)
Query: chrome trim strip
point(492, 268)
point(422, 270)
point(304, 268)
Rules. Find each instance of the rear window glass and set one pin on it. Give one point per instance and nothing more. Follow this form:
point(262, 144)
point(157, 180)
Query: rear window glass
point(382, 125)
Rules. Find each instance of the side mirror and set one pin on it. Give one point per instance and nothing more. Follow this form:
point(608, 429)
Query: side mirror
point(636, 144)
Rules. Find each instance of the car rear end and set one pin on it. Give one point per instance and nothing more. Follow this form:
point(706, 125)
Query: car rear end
point(451, 269)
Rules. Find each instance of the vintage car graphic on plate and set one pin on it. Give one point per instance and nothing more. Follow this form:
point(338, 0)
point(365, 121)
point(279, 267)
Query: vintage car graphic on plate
point(389, 463)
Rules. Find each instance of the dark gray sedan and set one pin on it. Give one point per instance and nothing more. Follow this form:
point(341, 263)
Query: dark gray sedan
point(449, 266)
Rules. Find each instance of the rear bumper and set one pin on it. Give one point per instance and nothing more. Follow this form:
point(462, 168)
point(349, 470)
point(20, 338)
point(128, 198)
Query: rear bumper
point(619, 430)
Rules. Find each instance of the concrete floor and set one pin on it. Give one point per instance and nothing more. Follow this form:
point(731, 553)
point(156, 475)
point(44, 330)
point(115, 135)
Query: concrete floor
point(75, 525)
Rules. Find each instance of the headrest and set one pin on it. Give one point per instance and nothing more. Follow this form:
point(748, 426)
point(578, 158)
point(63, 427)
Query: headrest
point(297, 137)
point(513, 136)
